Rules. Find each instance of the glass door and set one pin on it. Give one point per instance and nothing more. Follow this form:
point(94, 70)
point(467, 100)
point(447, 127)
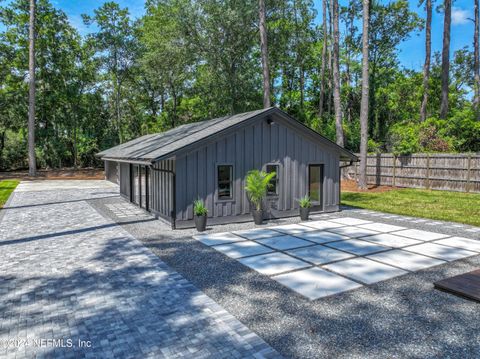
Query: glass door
point(143, 187)
point(135, 185)
point(315, 185)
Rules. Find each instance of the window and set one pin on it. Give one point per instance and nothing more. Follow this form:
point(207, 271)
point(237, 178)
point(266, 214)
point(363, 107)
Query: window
point(315, 183)
point(273, 185)
point(225, 181)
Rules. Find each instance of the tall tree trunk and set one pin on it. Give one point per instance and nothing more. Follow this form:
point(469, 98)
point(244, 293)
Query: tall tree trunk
point(32, 163)
point(264, 51)
point(426, 66)
point(330, 57)
point(324, 60)
point(362, 181)
point(446, 58)
point(336, 76)
point(476, 65)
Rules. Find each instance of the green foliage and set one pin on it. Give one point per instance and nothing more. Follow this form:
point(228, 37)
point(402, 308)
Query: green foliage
point(257, 183)
point(199, 208)
point(186, 61)
point(305, 202)
point(6, 188)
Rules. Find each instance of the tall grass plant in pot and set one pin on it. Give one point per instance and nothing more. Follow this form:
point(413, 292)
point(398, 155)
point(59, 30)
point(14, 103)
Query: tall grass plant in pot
point(200, 215)
point(257, 183)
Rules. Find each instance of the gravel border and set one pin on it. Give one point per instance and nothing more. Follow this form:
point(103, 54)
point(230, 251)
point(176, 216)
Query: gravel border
point(397, 318)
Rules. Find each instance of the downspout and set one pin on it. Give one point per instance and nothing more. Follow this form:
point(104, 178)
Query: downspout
point(173, 214)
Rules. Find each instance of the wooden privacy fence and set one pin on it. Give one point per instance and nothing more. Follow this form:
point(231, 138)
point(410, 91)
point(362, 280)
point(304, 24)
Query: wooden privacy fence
point(452, 172)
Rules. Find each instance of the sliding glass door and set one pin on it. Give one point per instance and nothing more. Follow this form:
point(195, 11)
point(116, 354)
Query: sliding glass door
point(315, 185)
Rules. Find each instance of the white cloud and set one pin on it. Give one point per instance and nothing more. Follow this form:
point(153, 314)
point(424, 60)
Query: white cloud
point(460, 16)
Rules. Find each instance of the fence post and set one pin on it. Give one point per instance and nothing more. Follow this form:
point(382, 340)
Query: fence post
point(469, 167)
point(394, 169)
point(427, 184)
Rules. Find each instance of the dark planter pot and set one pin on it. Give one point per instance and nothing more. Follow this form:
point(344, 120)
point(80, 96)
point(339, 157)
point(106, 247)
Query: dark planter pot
point(304, 212)
point(257, 216)
point(201, 223)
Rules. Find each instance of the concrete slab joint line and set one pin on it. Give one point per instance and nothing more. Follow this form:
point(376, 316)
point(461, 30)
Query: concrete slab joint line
point(69, 272)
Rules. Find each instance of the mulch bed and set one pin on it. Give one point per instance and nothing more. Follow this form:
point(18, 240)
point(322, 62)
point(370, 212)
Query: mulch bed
point(351, 186)
point(63, 174)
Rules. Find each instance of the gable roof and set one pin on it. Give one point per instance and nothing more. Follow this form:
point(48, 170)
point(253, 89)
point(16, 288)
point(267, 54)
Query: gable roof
point(151, 148)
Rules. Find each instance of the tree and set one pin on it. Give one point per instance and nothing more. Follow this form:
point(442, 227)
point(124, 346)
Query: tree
point(116, 48)
point(324, 59)
point(336, 76)
point(32, 165)
point(264, 52)
point(446, 58)
point(426, 66)
point(362, 180)
point(476, 54)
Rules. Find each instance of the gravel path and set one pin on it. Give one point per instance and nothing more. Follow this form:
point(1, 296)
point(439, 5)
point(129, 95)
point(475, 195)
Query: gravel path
point(401, 317)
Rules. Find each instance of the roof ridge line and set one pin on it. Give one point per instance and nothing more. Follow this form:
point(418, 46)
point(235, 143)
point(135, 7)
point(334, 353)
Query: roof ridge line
point(219, 119)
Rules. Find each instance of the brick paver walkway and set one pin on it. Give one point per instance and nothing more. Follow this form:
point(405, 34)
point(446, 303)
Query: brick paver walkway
point(74, 284)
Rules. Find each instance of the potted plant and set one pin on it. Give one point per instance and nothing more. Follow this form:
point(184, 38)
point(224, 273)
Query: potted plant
point(305, 204)
point(257, 183)
point(200, 215)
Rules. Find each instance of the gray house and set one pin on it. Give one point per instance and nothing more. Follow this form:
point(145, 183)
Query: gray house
point(164, 173)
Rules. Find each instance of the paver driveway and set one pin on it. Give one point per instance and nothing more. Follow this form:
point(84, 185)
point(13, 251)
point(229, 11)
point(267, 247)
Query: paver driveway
point(66, 272)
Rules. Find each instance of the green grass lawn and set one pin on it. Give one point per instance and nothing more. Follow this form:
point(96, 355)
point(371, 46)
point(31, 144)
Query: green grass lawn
point(442, 205)
point(6, 187)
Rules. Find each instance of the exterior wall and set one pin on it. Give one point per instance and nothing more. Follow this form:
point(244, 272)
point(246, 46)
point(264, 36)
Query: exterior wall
point(124, 175)
point(111, 171)
point(161, 188)
point(252, 147)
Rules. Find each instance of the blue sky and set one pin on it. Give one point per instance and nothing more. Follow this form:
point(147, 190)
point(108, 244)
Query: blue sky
point(412, 52)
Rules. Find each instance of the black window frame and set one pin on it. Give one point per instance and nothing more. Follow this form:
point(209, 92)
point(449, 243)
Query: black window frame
point(276, 179)
point(230, 182)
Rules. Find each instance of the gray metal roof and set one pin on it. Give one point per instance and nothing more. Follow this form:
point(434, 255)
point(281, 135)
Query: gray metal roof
point(150, 148)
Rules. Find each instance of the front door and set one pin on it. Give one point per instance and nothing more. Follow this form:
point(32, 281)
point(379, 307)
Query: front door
point(315, 186)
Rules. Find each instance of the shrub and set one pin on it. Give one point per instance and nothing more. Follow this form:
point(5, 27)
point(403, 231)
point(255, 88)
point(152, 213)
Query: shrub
point(305, 202)
point(199, 208)
point(257, 183)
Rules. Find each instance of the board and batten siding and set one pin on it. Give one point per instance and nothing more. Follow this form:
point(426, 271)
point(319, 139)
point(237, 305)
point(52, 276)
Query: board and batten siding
point(124, 176)
point(253, 147)
point(111, 171)
point(161, 188)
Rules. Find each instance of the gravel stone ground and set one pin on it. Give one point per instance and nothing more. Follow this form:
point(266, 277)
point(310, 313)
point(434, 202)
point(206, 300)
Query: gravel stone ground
point(404, 317)
point(69, 273)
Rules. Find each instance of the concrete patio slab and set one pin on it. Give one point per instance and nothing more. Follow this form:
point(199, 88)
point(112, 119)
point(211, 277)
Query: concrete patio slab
point(319, 254)
point(357, 246)
point(406, 260)
point(273, 263)
point(284, 242)
point(381, 227)
point(391, 240)
point(315, 283)
point(212, 239)
point(353, 232)
point(349, 221)
point(242, 249)
point(293, 229)
point(420, 235)
point(322, 237)
point(365, 270)
point(257, 233)
point(441, 252)
point(461, 242)
point(322, 225)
